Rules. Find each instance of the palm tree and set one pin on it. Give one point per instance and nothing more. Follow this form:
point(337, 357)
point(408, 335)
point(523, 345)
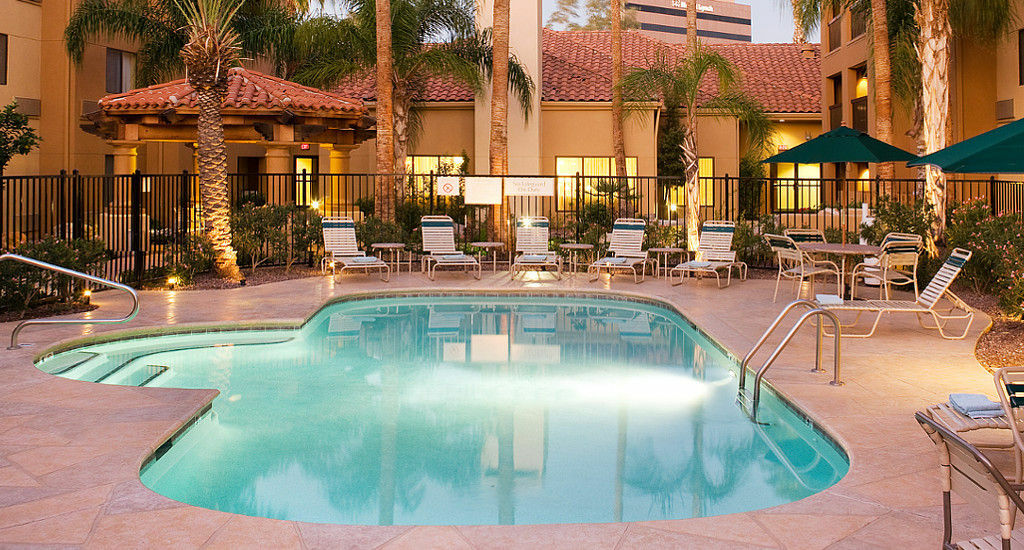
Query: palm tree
point(430, 38)
point(384, 193)
point(618, 143)
point(498, 148)
point(212, 47)
point(678, 84)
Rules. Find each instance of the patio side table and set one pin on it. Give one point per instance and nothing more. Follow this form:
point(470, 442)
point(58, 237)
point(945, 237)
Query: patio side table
point(493, 247)
point(394, 251)
point(661, 256)
point(575, 249)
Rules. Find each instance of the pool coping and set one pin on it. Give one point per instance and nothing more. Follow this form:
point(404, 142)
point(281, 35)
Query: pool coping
point(663, 528)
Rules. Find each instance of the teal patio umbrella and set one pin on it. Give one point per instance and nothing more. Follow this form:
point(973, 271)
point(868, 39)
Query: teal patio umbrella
point(842, 145)
point(999, 151)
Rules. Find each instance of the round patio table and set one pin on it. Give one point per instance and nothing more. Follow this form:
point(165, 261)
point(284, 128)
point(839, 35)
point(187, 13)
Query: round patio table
point(841, 250)
point(663, 253)
point(493, 246)
point(394, 251)
point(574, 251)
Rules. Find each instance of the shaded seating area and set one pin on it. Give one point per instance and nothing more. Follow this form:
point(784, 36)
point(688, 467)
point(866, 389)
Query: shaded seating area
point(896, 265)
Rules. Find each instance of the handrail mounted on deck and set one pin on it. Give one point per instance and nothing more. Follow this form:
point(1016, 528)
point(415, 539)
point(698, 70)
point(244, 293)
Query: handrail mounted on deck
point(77, 274)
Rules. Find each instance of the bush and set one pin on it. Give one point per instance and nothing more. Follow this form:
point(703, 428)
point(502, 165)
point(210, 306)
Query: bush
point(997, 243)
point(306, 235)
point(260, 233)
point(892, 216)
point(365, 205)
point(749, 242)
point(22, 287)
point(663, 236)
point(374, 230)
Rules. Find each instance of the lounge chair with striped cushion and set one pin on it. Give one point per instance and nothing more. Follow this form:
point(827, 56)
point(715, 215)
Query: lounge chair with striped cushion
point(925, 305)
point(625, 250)
point(797, 265)
point(970, 474)
point(341, 249)
point(532, 246)
point(714, 253)
point(439, 244)
point(896, 265)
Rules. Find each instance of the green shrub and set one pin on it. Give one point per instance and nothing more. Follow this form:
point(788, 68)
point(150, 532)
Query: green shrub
point(22, 287)
point(893, 216)
point(374, 230)
point(749, 242)
point(997, 244)
point(365, 205)
point(260, 233)
point(306, 236)
point(663, 236)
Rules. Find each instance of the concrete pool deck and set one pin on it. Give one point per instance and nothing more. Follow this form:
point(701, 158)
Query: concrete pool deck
point(70, 451)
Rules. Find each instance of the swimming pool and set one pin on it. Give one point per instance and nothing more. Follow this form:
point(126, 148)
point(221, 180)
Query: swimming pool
point(467, 410)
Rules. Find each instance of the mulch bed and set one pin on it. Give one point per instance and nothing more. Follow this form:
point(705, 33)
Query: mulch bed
point(45, 310)
point(259, 276)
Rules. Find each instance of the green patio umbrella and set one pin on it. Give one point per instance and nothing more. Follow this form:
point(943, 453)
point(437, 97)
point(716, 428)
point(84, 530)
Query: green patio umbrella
point(999, 151)
point(842, 145)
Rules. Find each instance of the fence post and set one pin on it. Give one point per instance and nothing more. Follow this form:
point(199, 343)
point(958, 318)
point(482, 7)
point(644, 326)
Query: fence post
point(62, 230)
point(184, 202)
point(433, 203)
point(579, 204)
point(728, 199)
point(138, 255)
point(77, 206)
point(992, 194)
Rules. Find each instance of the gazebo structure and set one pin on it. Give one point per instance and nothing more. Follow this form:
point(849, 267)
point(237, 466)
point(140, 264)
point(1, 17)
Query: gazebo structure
point(258, 108)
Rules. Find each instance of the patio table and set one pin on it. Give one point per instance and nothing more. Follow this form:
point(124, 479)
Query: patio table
point(394, 251)
point(575, 249)
point(663, 253)
point(842, 250)
point(493, 246)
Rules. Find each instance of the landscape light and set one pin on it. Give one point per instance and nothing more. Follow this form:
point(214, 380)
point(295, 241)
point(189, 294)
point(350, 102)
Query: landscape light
point(172, 281)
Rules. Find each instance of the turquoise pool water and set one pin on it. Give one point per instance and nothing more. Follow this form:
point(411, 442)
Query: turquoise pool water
point(468, 410)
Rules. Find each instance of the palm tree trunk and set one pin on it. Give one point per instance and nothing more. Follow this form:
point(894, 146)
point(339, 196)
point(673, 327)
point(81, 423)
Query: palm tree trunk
point(499, 113)
point(211, 154)
point(384, 192)
point(799, 36)
point(883, 86)
point(933, 19)
point(402, 105)
point(692, 180)
point(618, 143)
point(691, 24)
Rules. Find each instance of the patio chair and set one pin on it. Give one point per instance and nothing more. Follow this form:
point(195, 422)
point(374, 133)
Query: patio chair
point(532, 246)
point(625, 249)
point(714, 253)
point(896, 265)
point(805, 235)
point(925, 304)
point(964, 470)
point(797, 265)
point(439, 244)
point(340, 248)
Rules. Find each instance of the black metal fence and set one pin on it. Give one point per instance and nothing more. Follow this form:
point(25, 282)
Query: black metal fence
point(145, 220)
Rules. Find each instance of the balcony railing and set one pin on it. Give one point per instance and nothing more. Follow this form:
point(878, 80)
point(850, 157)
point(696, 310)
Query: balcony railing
point(860, 113)
point(858, 23)
point(835, 34)
point(835, 116)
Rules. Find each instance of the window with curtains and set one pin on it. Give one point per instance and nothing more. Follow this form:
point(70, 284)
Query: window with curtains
point(705, 173)
point(566, 168)
point(120, 71)
point(423, 165)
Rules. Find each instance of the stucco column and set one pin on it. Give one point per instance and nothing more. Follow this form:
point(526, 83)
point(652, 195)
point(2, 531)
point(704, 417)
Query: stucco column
point(125, 157)
point(340, 158)
point(279, 159)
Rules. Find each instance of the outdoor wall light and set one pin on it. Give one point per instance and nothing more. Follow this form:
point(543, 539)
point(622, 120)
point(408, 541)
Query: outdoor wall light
point(172, 281)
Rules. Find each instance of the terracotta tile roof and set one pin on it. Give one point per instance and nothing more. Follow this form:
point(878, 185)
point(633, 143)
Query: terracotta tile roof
point(247, 91)
point(577, 67)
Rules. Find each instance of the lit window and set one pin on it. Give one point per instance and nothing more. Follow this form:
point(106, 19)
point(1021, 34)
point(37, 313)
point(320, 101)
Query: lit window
point(705, 175)
point(120, 71)
point(798, 186)
point(424, 165)
point(566, 168)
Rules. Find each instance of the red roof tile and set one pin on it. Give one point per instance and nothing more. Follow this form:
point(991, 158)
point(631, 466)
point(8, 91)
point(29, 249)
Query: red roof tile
point(577, 67)
point(247, 90)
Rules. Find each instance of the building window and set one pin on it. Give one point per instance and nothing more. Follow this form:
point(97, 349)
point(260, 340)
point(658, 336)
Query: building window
point(860, 101)
point(858, 22)
point(835, 109)
point(705, 178)
point(592, 168)
point(797, 186)
point(1020, 57)
point(120, 71)
point(3, 59)
point(424, 165)
point(835, 33)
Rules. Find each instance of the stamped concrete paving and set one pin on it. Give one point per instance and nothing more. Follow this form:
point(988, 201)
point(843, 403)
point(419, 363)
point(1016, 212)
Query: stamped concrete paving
point(70, 451)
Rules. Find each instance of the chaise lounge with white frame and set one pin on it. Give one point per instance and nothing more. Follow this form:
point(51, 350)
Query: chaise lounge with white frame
point(925, 305)
point(438, 234)
point(341, 248)
point(714, 253)
point(532, 246)
point(625, 250)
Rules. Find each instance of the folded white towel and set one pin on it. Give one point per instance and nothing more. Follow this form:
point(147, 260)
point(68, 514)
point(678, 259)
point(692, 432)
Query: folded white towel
point(975, 405)
point(451, 257)
point(364, 259)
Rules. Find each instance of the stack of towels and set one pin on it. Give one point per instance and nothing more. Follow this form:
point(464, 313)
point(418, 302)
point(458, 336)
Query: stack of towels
point(975, 405)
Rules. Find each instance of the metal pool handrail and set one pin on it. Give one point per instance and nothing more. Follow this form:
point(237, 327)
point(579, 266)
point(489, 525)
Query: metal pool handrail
point(767, 333)
point(77, 274)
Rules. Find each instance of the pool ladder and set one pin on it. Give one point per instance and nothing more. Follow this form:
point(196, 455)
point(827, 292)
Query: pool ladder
point(813, 310)
point(78, 275)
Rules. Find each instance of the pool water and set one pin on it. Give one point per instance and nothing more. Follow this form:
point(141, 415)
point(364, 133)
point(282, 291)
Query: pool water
point(470, 410)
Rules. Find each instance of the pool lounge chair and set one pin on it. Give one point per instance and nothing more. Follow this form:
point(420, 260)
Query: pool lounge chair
point(714, 253)
point(625, 250)
point(341, 249)
point(896, 265)
point(926, 304)
point(964, 470)
point(439, 244)
point(797, 265)
point(532, 246)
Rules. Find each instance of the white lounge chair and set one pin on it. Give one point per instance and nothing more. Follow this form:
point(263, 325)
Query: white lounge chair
point(926, 304)
point(439, 244)
point(714, 253)
point(532, 245)
point(896, 265)
point(625, 249)
point(797, 265)
point(340, 248)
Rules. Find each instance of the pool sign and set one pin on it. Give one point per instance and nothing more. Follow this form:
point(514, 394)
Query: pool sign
point(483, 190)
point(447, 186)
point(530, 187)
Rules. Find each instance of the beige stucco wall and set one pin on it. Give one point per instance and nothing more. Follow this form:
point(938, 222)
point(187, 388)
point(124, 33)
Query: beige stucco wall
point(447, 130)
point(584, 130)
point(22, 23)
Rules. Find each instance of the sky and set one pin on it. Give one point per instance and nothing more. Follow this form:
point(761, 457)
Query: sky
point(771, 20)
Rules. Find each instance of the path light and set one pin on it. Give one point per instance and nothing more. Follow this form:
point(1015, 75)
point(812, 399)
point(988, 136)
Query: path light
point(315, 205)
point(87, 295)
point(173, 281)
